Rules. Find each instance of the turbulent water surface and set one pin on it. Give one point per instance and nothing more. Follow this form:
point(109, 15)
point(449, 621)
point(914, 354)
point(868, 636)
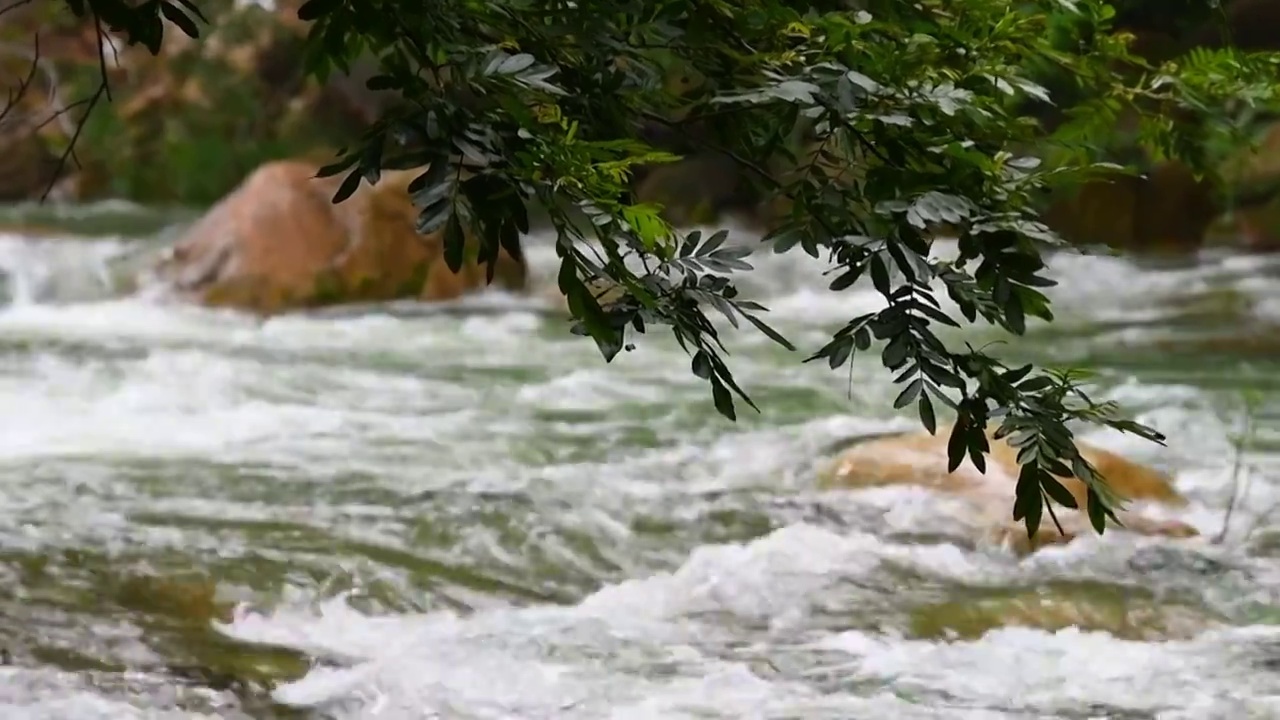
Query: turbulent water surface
point(397, 513)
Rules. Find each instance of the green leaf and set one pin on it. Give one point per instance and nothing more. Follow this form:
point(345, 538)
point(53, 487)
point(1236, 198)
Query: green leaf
point(702, 365)
point(880, 274)
point(335, 168)
point(371, 161)
point(1035, 384)
point(514, 64)
point(723, 400)
point(348, 187)
point(191, 8)
point(846, 279)
point(895, 353)
point(1014, 317)
point(455, 243)
point(177, 17)
point(839, 352)
point(772, 334)
point(383, 82)
point(927, 417)
point(908, 394)
point(956, 446)
point(1028, 505)
point(1097, 516)
point(316, 9)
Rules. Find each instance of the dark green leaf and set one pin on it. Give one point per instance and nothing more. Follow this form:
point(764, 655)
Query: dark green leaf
point(348, 187)
point(1097, 516)
point(723, 400)
point(1040, 382)
point(880, 274)
point(1014, 316)
point(177, 17)
point(335, 168)
point(315, 9)
point(1028, 505)
point(192, 8)
point(846, 279)
point(927, 416)
point(840, 351)
point(956, 446)
point(702, 365)
point(455, 244)
point(908, 394)
point(382, 82)
point(772, 334)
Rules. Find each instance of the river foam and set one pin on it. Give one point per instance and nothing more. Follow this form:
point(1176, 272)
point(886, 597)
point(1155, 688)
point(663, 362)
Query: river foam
point(472, 516)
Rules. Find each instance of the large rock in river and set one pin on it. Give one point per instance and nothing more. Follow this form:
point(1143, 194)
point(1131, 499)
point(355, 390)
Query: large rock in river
point(1167, 210)
point(278, 243)
point(920, 459)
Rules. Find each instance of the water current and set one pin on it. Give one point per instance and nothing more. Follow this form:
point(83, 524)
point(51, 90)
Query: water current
point(400, 513)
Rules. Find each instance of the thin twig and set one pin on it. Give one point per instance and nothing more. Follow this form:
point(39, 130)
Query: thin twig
point(16, 94)
point(1237, 471)
point(104, 88)
point(51, 78)
point(14, 6)
point(67, 153)
point(1048, 503)
point(60, 117)
point(102, 55)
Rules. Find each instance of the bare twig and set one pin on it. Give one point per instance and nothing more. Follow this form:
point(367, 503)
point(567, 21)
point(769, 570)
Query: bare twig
point(16, 94)
point(104, 88)
point(70, 149)
point(14, 6)
point(51, 78)
point(103, 37)
point(61, 117)
point(1238, 468)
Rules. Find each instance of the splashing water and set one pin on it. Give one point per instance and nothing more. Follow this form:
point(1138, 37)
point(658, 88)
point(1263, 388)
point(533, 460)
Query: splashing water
point(419, 514)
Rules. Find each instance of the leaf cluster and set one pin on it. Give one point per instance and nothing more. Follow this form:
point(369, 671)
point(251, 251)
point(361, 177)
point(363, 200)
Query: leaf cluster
point(911, 117)
point(141, 22)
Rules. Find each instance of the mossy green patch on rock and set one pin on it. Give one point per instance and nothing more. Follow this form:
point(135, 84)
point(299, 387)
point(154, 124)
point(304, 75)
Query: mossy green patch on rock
point(1127, 612)
point(153, 617)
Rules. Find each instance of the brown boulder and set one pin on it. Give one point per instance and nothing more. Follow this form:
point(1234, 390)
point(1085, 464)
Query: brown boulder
point(1168, 210)
point(277, 243)
point(920, 459)
point(696, 190)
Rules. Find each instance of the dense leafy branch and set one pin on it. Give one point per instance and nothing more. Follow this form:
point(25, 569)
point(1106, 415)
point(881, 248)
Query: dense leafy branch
point(873, 126)
point(911, 114)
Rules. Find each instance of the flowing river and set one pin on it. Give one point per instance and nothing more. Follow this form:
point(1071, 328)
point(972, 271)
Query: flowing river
point(399, 513)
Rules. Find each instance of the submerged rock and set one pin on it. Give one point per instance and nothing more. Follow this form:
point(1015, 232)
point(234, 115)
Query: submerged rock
point(279, 243)
point(920, 459)
point(1125, 612)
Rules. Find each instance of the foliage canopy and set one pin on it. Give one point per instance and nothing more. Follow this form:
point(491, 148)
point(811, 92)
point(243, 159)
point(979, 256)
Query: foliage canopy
point(895, 121)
